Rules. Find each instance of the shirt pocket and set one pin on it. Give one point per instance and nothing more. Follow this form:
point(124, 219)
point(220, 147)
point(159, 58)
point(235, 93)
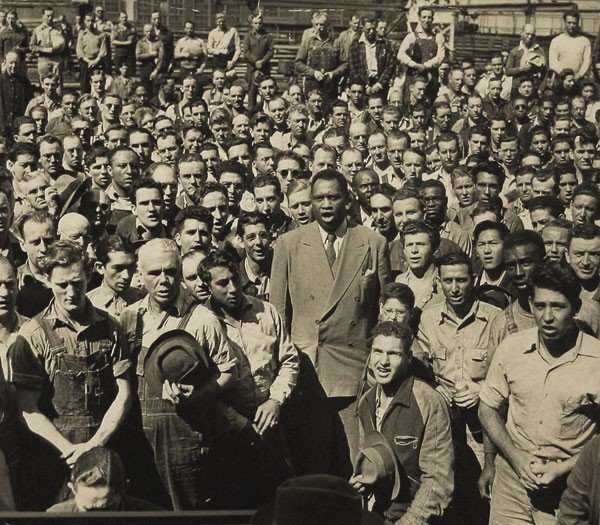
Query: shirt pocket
point(439, 355)
point(577, 415)
point(478, 364)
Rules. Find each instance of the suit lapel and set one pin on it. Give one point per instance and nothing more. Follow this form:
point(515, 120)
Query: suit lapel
point(354, 249)
point(315, 262)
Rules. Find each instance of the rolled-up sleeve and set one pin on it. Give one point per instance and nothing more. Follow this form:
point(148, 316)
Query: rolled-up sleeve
point(26, 368)
point(120, 353)
point(215, 342)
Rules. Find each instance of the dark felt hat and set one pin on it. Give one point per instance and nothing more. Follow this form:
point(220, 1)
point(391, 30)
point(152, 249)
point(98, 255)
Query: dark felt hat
point(316, 499)
point(175, 356)
point(377, 464)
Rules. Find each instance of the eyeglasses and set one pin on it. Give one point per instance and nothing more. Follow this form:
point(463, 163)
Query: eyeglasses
point(288, 173)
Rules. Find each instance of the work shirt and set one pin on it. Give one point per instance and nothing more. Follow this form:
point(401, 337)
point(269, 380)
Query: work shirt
point(224, 43)
point(31, 361)
point(203, 325)
point(106, 299)
point(552, 405)
point(91, 45)
point(192, 46)
point(47, 36)
point(459, 349)
point(267, 359)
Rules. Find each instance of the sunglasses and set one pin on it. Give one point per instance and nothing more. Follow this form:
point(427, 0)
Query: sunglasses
point(287, 173)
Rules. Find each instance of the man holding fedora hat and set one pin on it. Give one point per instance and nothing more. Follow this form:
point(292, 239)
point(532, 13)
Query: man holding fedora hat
point(178, 377)
point(406, 462)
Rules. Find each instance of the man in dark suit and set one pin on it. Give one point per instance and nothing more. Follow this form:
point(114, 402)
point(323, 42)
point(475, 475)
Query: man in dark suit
point(15, 93)
point(326, 279)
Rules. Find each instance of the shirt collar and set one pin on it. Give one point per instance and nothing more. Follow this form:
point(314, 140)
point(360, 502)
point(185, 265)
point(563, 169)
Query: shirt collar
point(474, 312)
point(363, 40)
point(403, 394)
point(339, 233)
point(91, 315)
point(179, 306)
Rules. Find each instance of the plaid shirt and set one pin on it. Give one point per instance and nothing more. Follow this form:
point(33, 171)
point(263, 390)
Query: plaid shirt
point(357, 62)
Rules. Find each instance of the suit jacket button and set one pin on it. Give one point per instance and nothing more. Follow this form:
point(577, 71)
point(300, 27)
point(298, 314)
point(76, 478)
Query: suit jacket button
point(357, 299)
point(312, 297)
point(320, 343)
point(317, 321)
point(352, 323)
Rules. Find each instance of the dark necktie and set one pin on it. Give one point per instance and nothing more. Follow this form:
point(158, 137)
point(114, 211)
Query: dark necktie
point(329, 249)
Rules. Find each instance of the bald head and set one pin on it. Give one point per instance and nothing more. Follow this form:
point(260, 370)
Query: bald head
point(74, 227)
point(528, 34)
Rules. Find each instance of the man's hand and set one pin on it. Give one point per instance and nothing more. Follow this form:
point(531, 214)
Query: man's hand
point(486, 480)
point(318, 76)
point(258, 64)
point(72, 455)
point(52, 199)
point(526, 67)
point(356, 482)
point(229, 65)
point(548, 472)
point(376, 88)
point(469, 396)
point(153, 75)
point(176, 392)
point(522, 463)
point(267, 416)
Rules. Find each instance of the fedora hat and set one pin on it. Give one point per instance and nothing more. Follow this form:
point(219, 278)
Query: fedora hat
point(316, 499)
point(70, 191)
point(377, 464)
point(175, 356)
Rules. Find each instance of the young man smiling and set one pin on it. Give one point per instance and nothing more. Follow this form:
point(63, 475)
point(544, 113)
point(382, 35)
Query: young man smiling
point(414, 421)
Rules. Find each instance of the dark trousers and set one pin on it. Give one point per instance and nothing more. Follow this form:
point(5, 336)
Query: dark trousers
point(126, 56)
point(250, 467)
point(315, 426)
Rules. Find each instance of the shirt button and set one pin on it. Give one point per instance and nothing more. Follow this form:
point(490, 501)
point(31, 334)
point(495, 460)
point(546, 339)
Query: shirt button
point(317, 321)
point(312, 297)
point(357, 299)
point(541, 421)
point(320, 343)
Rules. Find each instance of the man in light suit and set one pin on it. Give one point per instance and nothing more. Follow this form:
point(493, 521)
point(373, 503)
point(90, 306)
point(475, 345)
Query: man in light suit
point(326, 279)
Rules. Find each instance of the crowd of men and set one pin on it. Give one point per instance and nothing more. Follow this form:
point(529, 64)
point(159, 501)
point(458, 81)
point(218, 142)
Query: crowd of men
point(388, 271)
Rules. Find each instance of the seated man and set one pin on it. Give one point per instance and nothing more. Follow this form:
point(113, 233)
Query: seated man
point(98, 483)
point(416, 426)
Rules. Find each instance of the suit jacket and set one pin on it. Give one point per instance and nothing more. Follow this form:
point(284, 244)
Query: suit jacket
point(15, 94)
point(330, 318)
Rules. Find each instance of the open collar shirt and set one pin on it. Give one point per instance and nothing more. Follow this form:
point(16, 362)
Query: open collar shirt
point(553, 405)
